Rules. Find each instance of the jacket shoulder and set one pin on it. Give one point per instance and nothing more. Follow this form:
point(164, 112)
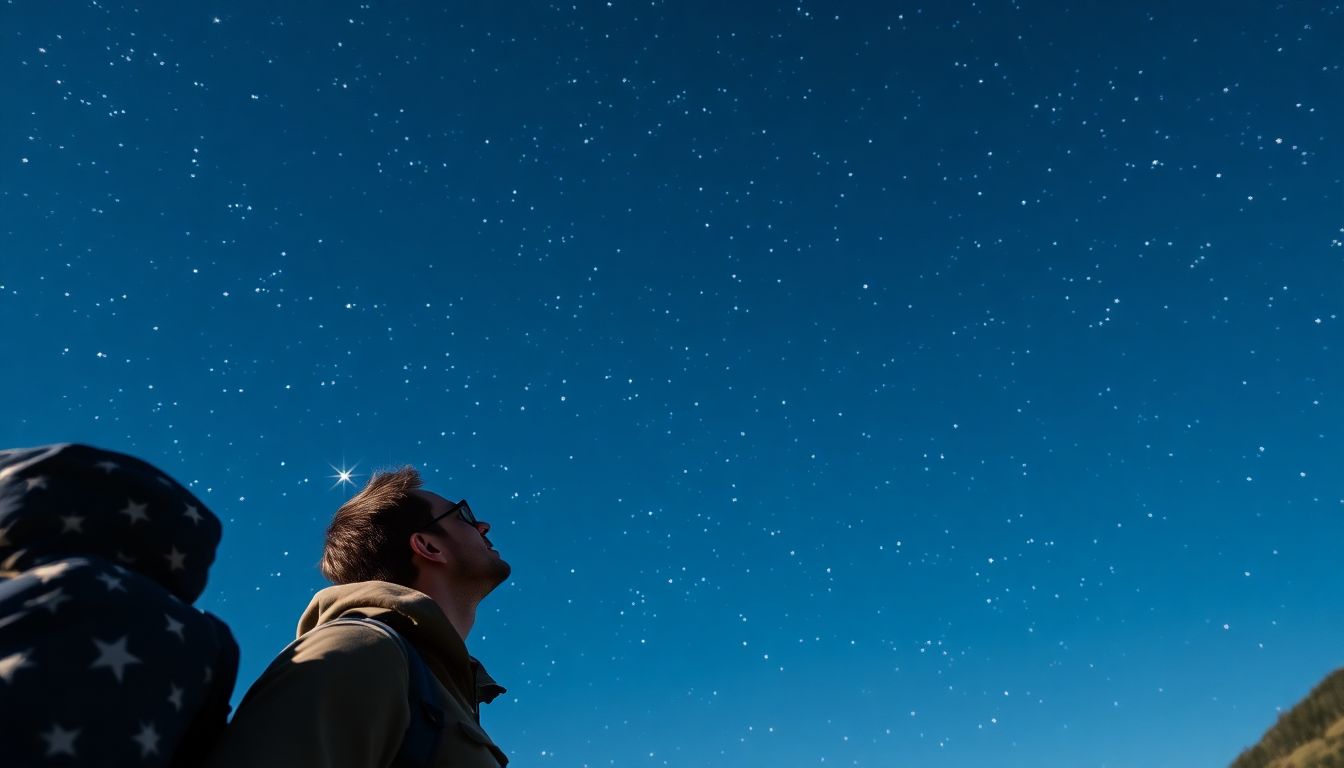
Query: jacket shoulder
point(349, 642)
point(335, 698)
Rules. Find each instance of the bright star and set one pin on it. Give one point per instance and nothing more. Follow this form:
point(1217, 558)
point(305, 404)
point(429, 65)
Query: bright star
point(344, 476)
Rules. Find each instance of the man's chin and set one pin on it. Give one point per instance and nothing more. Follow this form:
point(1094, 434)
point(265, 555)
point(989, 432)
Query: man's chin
point(501, 570)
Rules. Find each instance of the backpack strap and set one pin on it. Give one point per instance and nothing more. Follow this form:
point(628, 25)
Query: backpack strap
point(421, 740)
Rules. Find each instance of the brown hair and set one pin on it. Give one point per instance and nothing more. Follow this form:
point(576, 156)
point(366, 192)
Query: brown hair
point(367, 538)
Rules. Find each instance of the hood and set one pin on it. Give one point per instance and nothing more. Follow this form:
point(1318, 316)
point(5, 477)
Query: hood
point(419, 619)
point(70, 500)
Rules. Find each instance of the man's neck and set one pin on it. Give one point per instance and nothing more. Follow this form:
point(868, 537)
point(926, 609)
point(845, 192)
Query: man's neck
point(460, 609)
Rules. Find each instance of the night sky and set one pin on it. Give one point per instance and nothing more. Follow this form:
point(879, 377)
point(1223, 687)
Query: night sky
point(859, 384)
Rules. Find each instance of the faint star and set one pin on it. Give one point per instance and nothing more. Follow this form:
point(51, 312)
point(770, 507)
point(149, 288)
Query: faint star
point(45, 573)
point(111, 582)
point(344, 476)
point(175, 627)
point(60, 741)
point(49, 600)
point(175, 697)
point(13, 663)
point(192, 514)
point(136, 512)
point(114, 656)
point(148, 739)
point(36, 482)
point(177, 561)
point(72, 523)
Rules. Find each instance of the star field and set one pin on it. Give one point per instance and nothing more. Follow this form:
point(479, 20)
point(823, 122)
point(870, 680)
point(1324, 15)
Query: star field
point(853, 384)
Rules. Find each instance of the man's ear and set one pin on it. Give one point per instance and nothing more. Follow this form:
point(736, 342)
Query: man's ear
point(425, 547)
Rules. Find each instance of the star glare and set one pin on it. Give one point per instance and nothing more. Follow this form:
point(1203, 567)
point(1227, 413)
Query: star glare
point(343, 476)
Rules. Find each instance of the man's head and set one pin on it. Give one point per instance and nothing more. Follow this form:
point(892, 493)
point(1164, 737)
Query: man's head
point(389, 532)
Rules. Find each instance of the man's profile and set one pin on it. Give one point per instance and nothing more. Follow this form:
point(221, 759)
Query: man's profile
point(410, 568)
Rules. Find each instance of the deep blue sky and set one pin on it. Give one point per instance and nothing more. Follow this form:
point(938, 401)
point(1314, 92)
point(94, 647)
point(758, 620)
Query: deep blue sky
point(860, 384)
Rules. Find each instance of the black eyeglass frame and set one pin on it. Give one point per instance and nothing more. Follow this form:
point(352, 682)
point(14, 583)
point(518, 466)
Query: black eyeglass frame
point(463, 510)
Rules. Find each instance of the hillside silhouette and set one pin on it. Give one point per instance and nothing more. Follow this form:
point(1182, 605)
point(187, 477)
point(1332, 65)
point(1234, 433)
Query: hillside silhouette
point(1310, 735)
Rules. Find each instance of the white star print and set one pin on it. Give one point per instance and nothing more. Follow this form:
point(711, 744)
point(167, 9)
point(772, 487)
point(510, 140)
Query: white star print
point(136, 512)
point(164, 481)
point(108, 466)
point(72, 523)
point(175, 627)
point(49, 600)
point(60, 741)
point(177, 561)
point(192, 514)
point(148, 739)
point(36, 482)
point(45, 573)
point(114, 656)
point(175, 697)
point(111, 582)
point(13, 663)
point(4, 536)
point(122, 557)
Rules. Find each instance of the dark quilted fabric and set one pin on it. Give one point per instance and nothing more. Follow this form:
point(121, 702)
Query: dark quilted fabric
point(62, 501)
point(103, 661)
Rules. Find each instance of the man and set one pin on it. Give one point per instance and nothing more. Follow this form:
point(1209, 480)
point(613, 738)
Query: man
point(343, 695)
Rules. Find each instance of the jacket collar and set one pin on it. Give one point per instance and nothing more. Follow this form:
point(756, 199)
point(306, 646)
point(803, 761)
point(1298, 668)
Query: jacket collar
point(417, 617)
point(486, 687)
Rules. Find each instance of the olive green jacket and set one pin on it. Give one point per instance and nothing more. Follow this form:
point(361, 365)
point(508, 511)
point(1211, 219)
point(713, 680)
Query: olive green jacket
point(338, 697)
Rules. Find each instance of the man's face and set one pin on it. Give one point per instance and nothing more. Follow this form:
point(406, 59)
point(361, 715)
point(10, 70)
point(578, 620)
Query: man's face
point(470, 554)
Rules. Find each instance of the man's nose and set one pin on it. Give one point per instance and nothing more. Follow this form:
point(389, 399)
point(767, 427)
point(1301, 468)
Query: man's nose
point(483, 527)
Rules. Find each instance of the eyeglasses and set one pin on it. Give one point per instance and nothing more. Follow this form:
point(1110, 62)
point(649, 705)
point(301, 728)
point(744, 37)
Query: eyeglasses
point(462, 509)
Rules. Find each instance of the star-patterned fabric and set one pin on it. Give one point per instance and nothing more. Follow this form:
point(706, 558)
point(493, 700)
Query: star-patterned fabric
point(103, 661)
point(72, 500)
